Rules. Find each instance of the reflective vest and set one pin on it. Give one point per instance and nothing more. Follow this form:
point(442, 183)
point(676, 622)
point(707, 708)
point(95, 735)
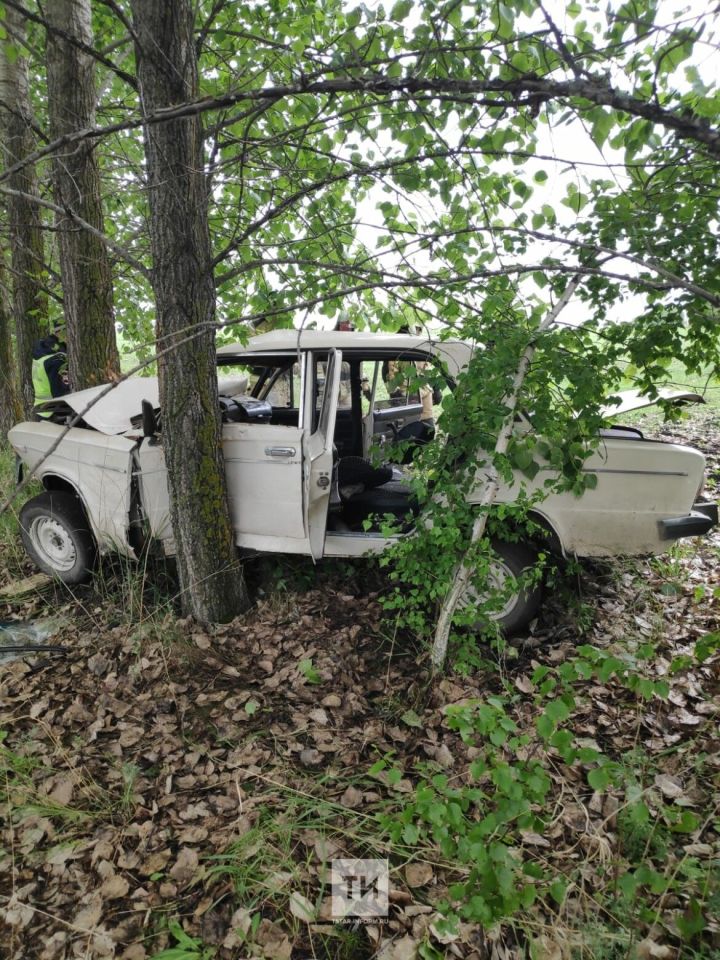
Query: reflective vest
point(41, 382)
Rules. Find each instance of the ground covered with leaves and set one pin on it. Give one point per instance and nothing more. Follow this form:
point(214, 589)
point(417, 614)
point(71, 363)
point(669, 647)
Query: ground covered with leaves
point(171, 791)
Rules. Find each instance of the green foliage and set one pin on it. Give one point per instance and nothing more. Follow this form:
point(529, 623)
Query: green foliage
point(291, 178)
point(307, 669)
point(555, 432)
point(187, 947)
point(480, 825)
point(474, 826)
point(479, 204)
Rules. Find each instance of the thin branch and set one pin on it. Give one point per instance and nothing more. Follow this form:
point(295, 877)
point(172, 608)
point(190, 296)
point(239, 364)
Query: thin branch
point(69, 38)
point(68, 212)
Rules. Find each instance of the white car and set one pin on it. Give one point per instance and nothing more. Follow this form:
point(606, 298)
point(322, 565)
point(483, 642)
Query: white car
point(302, 411)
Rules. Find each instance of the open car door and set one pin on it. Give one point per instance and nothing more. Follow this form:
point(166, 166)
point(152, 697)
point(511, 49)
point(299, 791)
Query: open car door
point(320, 416)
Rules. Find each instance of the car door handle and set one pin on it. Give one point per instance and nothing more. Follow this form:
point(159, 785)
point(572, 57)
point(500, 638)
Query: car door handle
point(280, 451)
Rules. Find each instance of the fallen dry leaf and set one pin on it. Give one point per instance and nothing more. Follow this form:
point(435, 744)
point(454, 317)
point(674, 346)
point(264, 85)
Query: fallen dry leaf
point(648, 949)
point(404, 949)
point(418, 874)
point(62, 792)
point(17, 914)
point(114, 887)
point(185, 867)
point(301, 907)
point(89, 916)
point(669, 786)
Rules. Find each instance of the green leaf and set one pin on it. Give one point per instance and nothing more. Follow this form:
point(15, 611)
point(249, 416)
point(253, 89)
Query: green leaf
point(691, 921)
point(686, 822)
point(307, 669)
point(183, 939)
point(602, 125)
point(412, 719)
point(599, 778)
point(558, 889)
point(410, 833)
point(401, 10)
point(177, 953)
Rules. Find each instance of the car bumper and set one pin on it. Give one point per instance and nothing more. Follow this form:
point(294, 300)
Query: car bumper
point(702, 517)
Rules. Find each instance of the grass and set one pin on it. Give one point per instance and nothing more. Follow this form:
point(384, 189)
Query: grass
point(284, 859)
point(11, 552)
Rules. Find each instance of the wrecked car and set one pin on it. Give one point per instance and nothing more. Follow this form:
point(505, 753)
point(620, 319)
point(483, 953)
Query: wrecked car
point(302, 414)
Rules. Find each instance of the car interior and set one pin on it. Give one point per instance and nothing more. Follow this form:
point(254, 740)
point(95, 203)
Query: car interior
point(378, 429)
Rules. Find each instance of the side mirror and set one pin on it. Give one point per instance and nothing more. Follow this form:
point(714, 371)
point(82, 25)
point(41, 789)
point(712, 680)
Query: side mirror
point(149, 420)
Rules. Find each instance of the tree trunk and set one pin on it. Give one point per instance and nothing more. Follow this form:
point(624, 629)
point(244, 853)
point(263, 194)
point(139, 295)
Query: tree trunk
point(29, 301)
point(510, 402)
point(211, 580)
point(10, 411)
point(84, 262)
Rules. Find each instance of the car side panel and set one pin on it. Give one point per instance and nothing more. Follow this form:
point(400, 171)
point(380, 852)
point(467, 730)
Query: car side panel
point(264, 491)
point(97, 466)
point(639, 483)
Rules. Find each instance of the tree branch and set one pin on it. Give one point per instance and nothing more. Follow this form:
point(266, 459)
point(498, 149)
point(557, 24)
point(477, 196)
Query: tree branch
point(68, 212)
point(593, 89)
point(69, 38)
point(510, 402)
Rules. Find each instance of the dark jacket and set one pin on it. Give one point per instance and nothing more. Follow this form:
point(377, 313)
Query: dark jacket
point(50, 358)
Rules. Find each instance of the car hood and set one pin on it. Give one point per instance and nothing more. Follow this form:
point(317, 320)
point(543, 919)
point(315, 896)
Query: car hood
point(109, 407)
point(628, 400)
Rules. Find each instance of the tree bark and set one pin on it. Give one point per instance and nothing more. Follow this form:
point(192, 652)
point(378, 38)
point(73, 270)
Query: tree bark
point(510, 402)
point(29, 301)
point(84, 262)
point(212, 583)
point(10, 411)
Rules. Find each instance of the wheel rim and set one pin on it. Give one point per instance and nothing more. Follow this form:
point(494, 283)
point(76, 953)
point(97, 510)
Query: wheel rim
point(499, 575)
point(54, 543)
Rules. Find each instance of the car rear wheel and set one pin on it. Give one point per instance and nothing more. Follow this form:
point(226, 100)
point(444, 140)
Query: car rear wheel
point(56, 536)
point(523, 601)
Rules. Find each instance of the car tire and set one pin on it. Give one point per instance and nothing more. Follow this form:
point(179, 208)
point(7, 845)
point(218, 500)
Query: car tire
point(57, 537)
point(513, 559)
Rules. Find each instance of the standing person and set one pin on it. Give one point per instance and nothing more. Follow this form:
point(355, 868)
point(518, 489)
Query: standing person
point(49, 367)
point(398, 375)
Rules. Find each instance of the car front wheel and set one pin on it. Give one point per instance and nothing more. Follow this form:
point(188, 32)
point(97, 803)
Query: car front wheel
point(56, 536)
point(522, 601)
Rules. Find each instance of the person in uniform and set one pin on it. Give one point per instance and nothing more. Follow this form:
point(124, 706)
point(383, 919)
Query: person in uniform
point(49, 368)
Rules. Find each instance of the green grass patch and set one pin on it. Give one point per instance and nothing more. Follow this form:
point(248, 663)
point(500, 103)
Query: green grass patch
point(12, 554)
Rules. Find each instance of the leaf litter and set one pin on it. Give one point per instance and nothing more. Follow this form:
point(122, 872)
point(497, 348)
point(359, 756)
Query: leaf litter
point(166, 772)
